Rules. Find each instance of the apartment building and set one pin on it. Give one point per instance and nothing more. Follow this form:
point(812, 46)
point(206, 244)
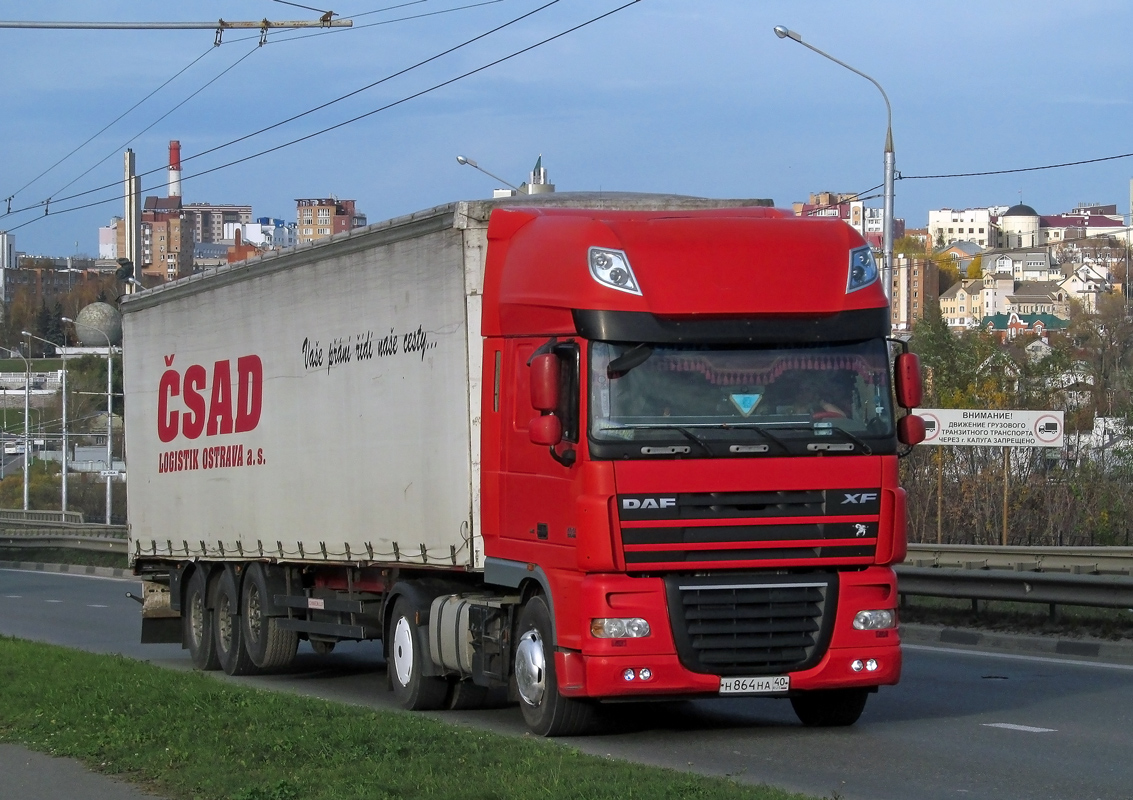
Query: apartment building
point(318, 218)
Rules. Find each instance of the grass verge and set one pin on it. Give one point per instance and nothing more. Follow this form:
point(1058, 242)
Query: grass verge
point(188, 735)
point(64, 555)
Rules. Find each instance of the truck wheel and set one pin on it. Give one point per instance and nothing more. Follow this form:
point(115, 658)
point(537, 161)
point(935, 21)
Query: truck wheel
point(405, 664)
point(830, 708)
point(268, 645)
point(546, 712)
point(228, 629)
point(196, 621)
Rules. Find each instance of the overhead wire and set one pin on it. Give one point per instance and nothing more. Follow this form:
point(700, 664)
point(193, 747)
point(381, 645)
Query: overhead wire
point(323, 106)
point(44, 204)
point(109, 125)
point(1016, 170)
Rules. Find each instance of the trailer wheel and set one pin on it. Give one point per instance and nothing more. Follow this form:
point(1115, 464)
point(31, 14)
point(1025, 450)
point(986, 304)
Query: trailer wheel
point(268, 645)
point(405, 663)
point(830, 708)
point(228, 629)
point(546, 712)
point(196, 621)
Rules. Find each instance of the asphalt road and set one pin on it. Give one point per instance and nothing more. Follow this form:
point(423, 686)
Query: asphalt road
point(959, 724)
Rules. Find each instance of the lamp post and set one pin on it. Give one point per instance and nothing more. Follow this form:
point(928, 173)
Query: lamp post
point(468, 162)
point(27, 404)
point(109, 406)
point(890, 165)
point(63, 496)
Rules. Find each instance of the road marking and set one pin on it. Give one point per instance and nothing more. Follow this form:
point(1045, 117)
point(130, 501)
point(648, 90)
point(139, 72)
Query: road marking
point(1024, 728)
point(53, 601)
point(1011, 656)
point(96, 605)
point(14, 596)
point(70, 574)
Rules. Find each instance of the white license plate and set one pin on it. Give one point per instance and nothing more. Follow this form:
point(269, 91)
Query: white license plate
point(766, 684)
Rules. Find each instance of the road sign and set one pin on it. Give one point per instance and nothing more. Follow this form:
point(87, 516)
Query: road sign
point(110, 473)
point(992, 428)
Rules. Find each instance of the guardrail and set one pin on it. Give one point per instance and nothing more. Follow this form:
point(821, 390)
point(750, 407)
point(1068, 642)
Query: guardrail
point(47, 529)
point(1087, 576)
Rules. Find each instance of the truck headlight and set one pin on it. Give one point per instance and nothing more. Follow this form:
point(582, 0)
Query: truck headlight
point(619, 628)
point(863, 269)
point(611, 268)
point(873, 620)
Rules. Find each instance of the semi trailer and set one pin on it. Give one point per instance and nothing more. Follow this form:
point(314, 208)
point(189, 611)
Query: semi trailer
point(583, 448)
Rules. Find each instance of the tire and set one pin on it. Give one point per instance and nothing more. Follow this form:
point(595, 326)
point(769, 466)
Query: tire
point(545, 711)
point(196, 622)
point(269, 646)
point(830, 708)
point(228, 628)
point(405, 663)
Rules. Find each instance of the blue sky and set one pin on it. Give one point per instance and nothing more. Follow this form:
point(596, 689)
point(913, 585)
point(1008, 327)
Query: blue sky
point(684, 96)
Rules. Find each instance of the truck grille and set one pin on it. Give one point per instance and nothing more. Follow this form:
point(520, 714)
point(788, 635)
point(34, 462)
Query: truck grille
point(725, 529)
point(752, 624)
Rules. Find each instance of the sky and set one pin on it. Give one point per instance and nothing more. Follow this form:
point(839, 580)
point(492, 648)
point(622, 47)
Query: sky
point(693, 97)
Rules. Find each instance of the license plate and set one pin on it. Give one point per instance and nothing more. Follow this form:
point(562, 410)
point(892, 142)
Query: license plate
point(766, 684)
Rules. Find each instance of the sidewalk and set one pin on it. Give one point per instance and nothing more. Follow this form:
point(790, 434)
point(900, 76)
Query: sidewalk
point(33, 776)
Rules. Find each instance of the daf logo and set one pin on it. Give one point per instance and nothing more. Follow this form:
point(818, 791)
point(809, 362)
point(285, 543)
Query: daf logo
point(859, 499)
point(631, 504)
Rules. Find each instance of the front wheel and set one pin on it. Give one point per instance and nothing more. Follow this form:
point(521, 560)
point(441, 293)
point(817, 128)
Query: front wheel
point(405, 663)
point(830, 708)
point(546, 712)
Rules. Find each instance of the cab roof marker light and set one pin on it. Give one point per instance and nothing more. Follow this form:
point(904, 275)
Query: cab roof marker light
point(611, 268)
point(863, 269)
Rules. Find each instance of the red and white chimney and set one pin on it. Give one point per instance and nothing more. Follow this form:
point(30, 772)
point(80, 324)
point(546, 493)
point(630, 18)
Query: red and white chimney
point(174, 168)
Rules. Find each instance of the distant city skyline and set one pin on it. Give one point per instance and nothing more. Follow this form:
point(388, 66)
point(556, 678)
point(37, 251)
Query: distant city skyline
point(663, 96)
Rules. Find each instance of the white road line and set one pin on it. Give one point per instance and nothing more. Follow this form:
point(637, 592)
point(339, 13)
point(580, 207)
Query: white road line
point(96, 605)
point(53, 601)
point(70, 575)
point(1024, 728)
point(1012, 656)
point(14, 596)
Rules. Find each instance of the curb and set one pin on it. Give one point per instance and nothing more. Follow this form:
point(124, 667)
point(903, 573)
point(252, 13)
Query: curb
point(1100, 650)
point(72, 569)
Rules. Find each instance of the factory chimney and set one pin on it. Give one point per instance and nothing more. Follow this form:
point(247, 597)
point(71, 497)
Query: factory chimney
point(174, 168)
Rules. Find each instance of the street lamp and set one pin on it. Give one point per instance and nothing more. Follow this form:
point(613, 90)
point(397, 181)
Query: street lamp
point(63, 497)
point(27, 396)
point(468, 162)
point(890, 166)
point(109, 406)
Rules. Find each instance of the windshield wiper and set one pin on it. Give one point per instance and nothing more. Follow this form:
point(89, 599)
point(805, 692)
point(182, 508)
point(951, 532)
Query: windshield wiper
point(653, 426)
point(824, 427)
point(766, 434)
point(865, 447)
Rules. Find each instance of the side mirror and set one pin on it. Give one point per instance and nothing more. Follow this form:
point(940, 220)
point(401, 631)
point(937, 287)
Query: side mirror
point(547, 430)
point(545, 370)
point(910, 429)
point(907, 381)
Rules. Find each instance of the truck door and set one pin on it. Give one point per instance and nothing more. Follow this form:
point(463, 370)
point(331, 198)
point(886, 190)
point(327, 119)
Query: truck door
point(537, 511)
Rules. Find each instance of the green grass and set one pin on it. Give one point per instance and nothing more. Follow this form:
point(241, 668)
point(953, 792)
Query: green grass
point(188, 735)
point(1028, 618)
point(37, 364)
point(64, 555)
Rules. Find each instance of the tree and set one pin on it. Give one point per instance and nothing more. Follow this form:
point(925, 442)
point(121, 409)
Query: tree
point(1104, 340)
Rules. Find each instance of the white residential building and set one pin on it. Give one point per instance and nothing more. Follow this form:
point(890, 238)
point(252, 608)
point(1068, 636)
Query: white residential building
point(976, 225)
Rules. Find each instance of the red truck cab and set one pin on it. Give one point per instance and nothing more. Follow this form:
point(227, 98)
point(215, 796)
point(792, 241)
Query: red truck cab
point(689, 458)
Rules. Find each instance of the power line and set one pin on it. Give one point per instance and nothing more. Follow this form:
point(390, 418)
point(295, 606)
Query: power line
point(352, 120)
point(107, 126)
point(245, 137)
point(1011, 171)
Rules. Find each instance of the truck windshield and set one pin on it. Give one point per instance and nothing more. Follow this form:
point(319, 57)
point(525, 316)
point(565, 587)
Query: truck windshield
point(704, 401)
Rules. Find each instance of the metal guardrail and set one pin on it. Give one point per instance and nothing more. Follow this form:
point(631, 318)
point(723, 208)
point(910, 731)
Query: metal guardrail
point(1087, 576)
point(47, 529)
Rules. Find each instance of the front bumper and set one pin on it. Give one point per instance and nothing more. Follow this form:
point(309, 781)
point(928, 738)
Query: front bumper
point(599, 670)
